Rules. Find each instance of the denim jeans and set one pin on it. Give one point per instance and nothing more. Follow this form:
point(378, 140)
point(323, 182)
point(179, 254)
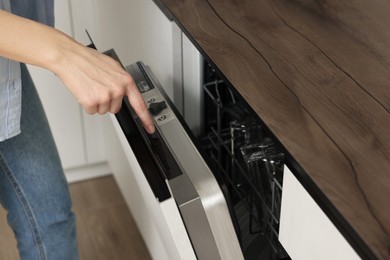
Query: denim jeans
point(33, 188)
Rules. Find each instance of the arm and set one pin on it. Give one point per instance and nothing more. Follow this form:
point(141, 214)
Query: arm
point(97, 81)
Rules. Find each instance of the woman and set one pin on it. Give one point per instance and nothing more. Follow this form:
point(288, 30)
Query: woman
point(33, 188)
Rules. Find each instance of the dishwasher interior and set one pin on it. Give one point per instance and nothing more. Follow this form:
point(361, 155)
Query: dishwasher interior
point(248, 164)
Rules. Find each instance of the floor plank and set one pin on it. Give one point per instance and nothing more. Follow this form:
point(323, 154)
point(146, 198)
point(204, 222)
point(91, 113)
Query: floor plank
point(113, 234)
point(8, 249)
point(105, 227)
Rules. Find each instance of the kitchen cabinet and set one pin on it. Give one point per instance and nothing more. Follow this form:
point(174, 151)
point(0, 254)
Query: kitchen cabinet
point(138, 30)
point(305, 231)
point(303, 238)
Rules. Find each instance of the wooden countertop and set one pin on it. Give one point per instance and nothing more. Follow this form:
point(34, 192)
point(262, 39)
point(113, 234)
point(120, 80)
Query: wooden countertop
point(317, 73)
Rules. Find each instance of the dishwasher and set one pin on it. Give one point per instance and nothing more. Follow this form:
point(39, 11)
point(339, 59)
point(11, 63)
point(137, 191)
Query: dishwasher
point(226, 183)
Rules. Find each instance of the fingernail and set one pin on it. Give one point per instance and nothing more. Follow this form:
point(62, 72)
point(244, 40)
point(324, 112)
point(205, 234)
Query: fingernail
point(151, 129)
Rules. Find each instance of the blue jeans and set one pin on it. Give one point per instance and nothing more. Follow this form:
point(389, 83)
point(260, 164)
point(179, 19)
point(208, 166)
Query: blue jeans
point(33, 188)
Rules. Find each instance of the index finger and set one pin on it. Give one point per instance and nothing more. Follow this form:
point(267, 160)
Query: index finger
point(140, 108)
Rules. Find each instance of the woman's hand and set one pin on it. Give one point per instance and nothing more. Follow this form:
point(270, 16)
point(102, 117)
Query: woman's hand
point(99, 83)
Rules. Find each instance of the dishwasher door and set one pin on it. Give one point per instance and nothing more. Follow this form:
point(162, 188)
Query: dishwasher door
point(174, 168)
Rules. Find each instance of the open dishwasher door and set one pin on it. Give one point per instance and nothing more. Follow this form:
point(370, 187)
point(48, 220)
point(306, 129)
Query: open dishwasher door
point(174, 168)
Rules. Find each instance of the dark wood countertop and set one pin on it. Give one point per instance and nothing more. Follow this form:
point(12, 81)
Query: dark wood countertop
point(317, 73)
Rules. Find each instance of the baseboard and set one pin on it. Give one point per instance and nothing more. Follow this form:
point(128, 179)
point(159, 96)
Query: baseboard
point(87, 172)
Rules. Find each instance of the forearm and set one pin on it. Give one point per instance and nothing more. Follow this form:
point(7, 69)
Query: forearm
point(97, 81)
point(31, 42)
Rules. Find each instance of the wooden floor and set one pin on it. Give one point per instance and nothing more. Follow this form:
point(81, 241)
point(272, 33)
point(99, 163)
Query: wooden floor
point(106, 229)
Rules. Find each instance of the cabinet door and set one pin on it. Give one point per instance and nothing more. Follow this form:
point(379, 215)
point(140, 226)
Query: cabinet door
point(305, 231)
point(63, 112)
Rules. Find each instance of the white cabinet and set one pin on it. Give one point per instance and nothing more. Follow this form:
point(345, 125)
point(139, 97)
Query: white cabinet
point(305, 231)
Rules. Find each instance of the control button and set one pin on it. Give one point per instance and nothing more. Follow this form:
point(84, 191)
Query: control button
point(143, 86)
point(156, 108)
point(151, 100)
point(162, 118)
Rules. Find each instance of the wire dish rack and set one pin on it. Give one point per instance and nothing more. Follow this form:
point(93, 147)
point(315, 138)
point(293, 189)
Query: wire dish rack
point(249, 166)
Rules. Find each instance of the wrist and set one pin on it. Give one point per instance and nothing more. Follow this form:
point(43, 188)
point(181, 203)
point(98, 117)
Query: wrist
point(62, 47)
